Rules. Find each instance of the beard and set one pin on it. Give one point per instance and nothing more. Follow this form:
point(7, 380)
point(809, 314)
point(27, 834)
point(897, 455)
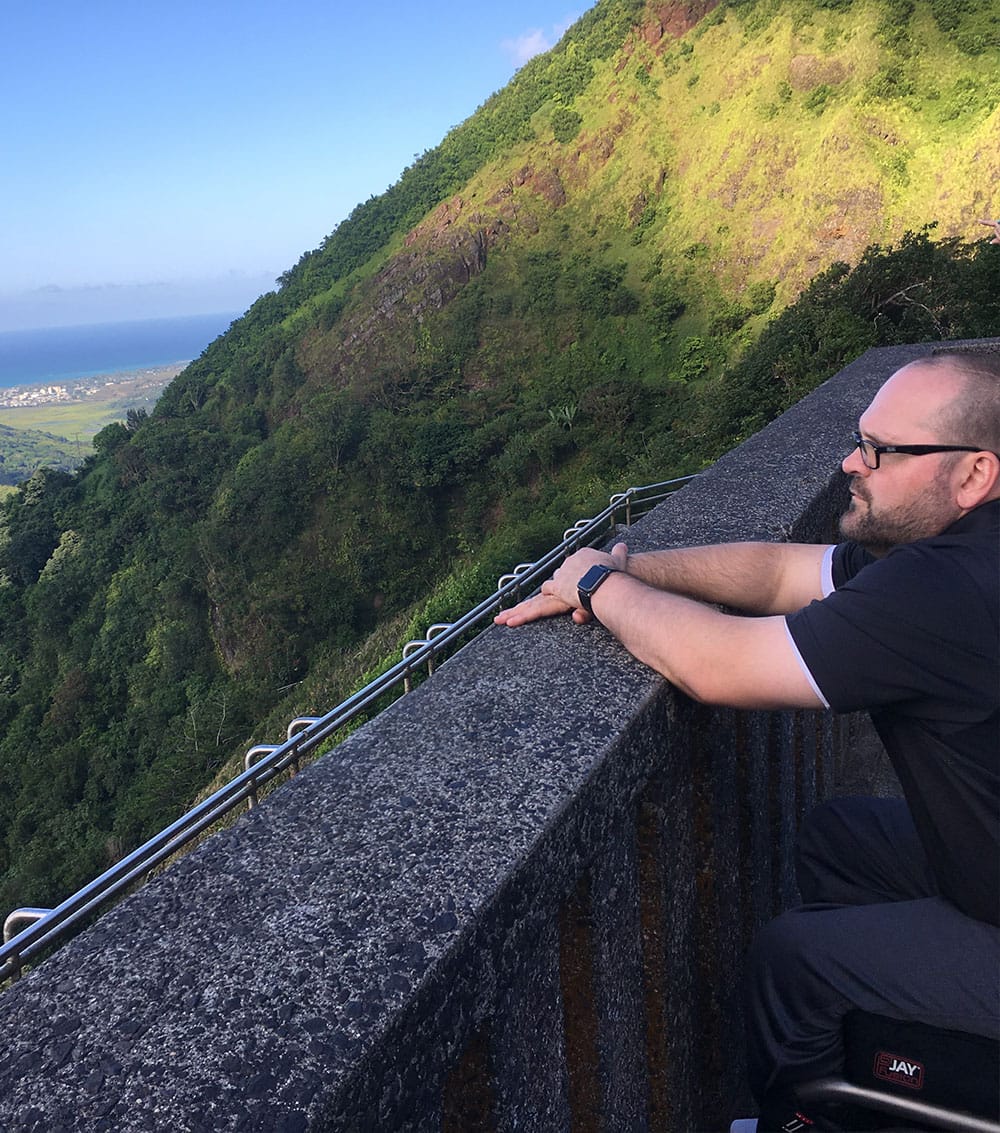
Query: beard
point(880, 531)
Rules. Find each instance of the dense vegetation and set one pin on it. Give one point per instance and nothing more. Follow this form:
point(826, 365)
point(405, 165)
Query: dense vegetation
point(431, 395)
point(23, 451)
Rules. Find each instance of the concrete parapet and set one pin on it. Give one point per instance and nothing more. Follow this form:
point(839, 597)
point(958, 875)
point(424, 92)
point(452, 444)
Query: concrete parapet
point(518, 899)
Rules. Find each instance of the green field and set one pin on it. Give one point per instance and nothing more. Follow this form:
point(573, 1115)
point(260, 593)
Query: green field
point(59, 434)
point(74, 421)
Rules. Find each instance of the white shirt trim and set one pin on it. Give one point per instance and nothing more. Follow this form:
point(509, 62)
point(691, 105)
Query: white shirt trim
point(826, 573)
point(804, 667)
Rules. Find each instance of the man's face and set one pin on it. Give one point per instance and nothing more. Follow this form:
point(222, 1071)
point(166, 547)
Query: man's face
point(907, 497)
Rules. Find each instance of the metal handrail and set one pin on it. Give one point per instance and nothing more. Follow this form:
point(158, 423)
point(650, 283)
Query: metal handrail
point(265, 762)
point(417, 644)
point(28, 915)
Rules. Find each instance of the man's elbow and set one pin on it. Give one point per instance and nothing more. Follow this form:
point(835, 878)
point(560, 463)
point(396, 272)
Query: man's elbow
point(700, 687)
point(723, 690)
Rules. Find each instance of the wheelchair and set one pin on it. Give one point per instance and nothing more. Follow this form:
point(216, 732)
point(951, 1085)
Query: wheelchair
point(904, 1076)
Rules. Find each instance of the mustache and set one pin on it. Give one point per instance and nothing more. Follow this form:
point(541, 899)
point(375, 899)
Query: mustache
point(857, 488)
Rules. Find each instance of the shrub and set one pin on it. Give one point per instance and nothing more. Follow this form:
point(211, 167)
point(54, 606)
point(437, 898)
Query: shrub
point(759, 296)
point(817, 98)
point(566, 124)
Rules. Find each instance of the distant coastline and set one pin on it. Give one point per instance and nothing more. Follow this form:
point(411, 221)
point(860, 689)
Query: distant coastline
point(93, 387)
point(67, 356)
point(53, 423)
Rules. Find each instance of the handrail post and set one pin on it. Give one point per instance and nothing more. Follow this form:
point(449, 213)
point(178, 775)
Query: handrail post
point(28, 915)
point(515, 576)
point(252, 757)
point(426, 642)
point(300, 724)
point(295, 728)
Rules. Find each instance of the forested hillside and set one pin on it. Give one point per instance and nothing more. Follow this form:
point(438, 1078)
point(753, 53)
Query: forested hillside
point(657, 237)
point(22, 451)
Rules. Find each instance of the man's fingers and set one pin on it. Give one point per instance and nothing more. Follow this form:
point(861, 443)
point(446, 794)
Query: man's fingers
point(531, 610)
point(549, 603)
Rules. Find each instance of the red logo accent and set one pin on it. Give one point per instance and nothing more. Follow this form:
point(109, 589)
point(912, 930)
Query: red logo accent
point(797, 1123)
point(898, 1070)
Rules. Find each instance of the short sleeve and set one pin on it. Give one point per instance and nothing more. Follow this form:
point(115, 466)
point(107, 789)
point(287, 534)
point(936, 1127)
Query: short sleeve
point(893, 633)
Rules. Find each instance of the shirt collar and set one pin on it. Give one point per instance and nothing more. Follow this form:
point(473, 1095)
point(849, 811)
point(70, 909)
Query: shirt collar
point(981, 518)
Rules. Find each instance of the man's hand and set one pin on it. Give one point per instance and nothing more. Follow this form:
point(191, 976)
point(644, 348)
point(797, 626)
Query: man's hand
point(559, 594)
point(995, 225)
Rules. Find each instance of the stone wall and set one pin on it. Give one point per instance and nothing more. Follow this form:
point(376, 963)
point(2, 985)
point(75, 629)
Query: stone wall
point(518, 899)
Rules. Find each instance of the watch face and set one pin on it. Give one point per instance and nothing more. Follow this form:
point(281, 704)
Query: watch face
point(590, 582)
point(593, 578)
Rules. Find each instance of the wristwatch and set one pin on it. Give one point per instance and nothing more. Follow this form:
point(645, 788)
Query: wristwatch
point(591, 581)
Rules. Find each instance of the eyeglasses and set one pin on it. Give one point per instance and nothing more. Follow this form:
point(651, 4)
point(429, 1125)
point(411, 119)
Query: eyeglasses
point(871, 453)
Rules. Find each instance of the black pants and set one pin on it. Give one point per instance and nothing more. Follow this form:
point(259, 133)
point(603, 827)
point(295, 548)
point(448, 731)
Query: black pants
point(873, 934)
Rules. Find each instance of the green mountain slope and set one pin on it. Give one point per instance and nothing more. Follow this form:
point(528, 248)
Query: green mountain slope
point(627, 259)
point(24, 451)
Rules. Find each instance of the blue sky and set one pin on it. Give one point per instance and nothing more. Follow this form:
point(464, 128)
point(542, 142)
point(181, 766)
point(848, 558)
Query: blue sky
point(164, 158)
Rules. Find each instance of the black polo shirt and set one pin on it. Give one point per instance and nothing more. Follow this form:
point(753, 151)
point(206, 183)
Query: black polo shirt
point(914, 638)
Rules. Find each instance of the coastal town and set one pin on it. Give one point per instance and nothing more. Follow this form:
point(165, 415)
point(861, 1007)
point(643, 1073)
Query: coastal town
point(149, 381)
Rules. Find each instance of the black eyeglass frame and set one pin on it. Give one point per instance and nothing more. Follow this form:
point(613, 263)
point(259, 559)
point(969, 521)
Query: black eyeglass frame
point(909, 450)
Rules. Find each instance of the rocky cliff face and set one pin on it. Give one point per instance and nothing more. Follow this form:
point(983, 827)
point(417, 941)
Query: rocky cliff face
point(747, 155)
point(674, 20)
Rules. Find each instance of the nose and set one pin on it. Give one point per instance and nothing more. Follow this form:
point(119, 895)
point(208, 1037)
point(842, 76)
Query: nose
point(853, 465)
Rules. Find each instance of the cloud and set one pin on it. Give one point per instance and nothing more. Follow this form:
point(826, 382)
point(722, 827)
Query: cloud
point(533, 42)
point(526, 46)
point(53, 305)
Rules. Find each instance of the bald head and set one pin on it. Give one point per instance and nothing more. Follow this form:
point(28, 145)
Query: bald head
point(919, 404)
point(968, 412)
point(916, 402)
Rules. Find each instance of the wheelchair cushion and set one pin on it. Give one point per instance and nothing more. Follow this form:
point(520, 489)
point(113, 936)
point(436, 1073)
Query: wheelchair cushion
point(913, 1060)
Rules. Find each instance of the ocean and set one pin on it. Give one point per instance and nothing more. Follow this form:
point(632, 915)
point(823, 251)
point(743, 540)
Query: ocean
point(33, 357)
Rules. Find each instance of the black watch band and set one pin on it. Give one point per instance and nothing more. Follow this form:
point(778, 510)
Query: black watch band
point(589, 584)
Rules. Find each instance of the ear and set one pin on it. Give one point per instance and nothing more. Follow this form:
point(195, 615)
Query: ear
point(979, 480)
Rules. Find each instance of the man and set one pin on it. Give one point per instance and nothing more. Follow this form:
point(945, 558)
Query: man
point(901, 899)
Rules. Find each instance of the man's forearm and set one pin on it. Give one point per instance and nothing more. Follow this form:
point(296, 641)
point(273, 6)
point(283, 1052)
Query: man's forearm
point(758, 578)
point(761, 578)
point(714, 657)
